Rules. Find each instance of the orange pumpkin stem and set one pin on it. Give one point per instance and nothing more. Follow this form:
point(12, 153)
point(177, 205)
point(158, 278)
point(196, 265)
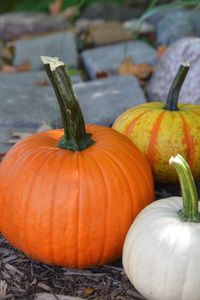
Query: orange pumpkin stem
point(173, 95)
point(75, 136)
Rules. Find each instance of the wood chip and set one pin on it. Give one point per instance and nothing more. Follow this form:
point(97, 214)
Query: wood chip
point(3, 288)
point(13, 270)
point(44, 286)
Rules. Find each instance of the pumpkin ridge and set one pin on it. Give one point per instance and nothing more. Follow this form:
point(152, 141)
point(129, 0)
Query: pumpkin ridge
point(153, 139)
point(121, 169)
point(129, 128)
point(51, 222)
point(78, 214)
point(131, 203)
point(113, 162)
point(145, 178)
point(27, 204)
point(106, 206)
point(188, 141)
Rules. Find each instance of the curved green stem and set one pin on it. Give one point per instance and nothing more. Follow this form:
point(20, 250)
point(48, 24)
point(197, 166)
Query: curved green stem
point(172, 97)
point(75, 136)
point(190, 212)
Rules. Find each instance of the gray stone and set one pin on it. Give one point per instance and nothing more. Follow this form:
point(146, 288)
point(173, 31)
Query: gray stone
point(60, 44)
point(196, 22)
point(108, 58)
point(1, 53)
point(6, 136)
point(136, 26)
point(101, 101)
point(109, 11)
point(24, 101)
point(187, 49)
point(15, 25)
point(28, 79)
point(175, 25)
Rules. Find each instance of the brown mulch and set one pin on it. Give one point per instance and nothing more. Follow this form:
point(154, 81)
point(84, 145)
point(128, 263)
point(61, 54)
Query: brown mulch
point(24, 279)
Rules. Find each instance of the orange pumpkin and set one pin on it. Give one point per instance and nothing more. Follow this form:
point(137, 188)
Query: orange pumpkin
point(70, 200)
point(162, 130)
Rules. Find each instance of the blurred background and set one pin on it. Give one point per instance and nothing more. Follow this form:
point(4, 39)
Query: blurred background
point(116, 51)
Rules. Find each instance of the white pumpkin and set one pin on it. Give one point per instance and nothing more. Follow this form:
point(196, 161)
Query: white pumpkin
point(161, 254)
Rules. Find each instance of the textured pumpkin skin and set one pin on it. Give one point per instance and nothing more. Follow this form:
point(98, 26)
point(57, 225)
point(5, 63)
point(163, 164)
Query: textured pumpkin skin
point(72, 208)
point(161, 254)
point(160, 134)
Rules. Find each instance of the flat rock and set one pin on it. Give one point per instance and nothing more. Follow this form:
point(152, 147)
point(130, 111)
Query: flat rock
point(28, 79)
point(1, 53)
point(109, 11)
point(27, 99)
point(15, 25)
point(6, 136)
point(108, 58)
point(186, 49)
point(48, 296)
point(60, 44)
point(175, 25)
point(101, 101)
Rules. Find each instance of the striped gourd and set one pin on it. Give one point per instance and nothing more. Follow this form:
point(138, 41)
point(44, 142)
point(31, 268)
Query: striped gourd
point(162, 130)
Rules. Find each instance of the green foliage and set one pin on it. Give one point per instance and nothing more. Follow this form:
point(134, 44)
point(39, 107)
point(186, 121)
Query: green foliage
point(43, 5)
point(154, 8)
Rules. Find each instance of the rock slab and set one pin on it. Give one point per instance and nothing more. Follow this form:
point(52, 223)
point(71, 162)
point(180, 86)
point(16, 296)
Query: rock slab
point(27, 99)
point(186, 49)
point(60, 44)
point(102, 101)
point(174, 26)
point(109, 11)
point(15, 25)
point(108, 58)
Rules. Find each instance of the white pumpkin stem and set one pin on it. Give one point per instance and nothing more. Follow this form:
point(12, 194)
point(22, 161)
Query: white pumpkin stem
point(190, 211)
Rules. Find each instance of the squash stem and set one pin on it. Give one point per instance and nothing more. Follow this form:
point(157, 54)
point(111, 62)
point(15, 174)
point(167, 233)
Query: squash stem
point(75, 136)
point(190, 212)
point(173, 95)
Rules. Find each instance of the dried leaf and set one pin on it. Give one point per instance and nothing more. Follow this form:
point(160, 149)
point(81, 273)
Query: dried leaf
point(7, 54)
point(55, 7)
point(161, 50)
point(141, 71)
point(102, 74)
point(25, 66)
point(44, 126)
point(71, 12)
point(88, 291)
point(42, 82)
point(2, 156)
point(8, 69)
